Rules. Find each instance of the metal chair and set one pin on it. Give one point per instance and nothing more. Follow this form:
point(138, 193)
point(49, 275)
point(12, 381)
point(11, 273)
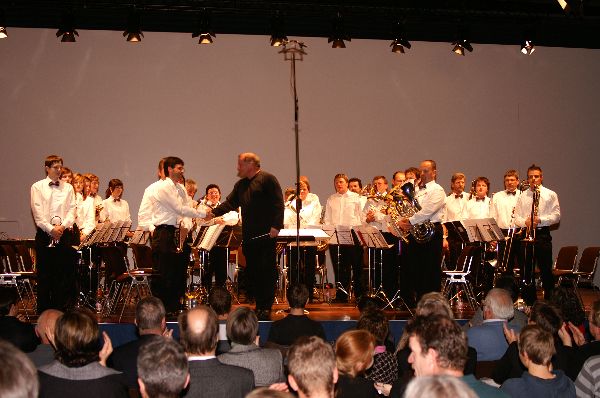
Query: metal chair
point(458, 278)
point(11, 275)
point(565, 264)
point(586, 267)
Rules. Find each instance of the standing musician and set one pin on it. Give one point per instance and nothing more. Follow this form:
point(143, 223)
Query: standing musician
point(167, 210)
point(374, 215)
point(344, 208)
point(259, 195)
point(191, 188)
point(454, 208)
point(478, 205)
point(84, 212)
point(413, 173)
point(398, 178)
point(424, 259)
point(355, 185)
point(537, 218)
point(503, 211)
point(114, 207)
point(53, 210)
point(93, 193)
point(146, 209)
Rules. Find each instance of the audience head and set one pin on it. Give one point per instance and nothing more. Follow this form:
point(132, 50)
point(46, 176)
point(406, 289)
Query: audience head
point(150, 315)
point(594, 319)
point(498, 304)
point(8, 301)
point(434, 303)
point(367, 303)
point(297, 295)
point(18, 375)
point(76, 338)
point(508, 283)
point(242, 326)
point(441, 386)
point(375, 322)
point(266, 392)
point(162, 368)
point(437, 344)
point(546, 316)
point(219, 300)
point(312, 367)
point(536, 345)
point(199, 331)
point(46, 325)
point(354, 352)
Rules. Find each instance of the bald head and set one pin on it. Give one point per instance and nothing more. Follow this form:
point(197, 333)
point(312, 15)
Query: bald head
point(248, 165)
point(46, 324)
point(199, 330)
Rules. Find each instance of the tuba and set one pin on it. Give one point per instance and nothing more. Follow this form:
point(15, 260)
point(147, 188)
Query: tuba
point(405, 206)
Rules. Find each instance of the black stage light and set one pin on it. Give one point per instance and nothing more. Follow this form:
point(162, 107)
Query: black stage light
point(204, 31)
point(133, 33)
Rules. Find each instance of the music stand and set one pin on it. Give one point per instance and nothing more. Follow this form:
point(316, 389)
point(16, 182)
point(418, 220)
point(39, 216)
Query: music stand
point(371, 238)
point(339, 236)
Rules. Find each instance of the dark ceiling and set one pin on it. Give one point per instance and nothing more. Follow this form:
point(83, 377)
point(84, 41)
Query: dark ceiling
point(483, 21)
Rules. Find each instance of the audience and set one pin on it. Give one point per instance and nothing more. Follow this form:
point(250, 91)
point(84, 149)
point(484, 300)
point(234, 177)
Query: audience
point(44, 353)
point(297, 324)
point(536, 347)
point(354, 355)
point(265, 392)
point(585, 350)
point(219, 300)
point(265, 363)
point(488, 338)
point(312, 368)
point(569, 305)
point(587, 384)
point(199, 333)
point(162, 368)
point(385, 365)
point(438, 387)
point(18, 376)
point(150, 321)
point(78, 369)
point(12, 327)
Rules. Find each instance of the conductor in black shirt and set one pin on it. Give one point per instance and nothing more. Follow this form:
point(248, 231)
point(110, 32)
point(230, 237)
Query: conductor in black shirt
point(259, 195)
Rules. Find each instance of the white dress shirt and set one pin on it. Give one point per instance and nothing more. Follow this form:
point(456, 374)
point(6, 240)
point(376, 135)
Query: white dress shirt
point(145, 211)
point(454, 207)
point(548, 210)
point(380, 221)
point(343, 209)
point(477, 209)
point(310, 214)
point(501, 208)
point(431, 198)
point(86, 214)
point(115, 210)
point(49, 201)
point(168, 206)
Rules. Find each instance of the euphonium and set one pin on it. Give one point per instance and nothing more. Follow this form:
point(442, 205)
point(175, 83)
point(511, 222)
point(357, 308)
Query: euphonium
point(406, 207)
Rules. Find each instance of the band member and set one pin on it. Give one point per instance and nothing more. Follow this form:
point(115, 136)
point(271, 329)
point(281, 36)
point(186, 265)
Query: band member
point(503, 211)
point(191, 188)
point(355, 185)
point(478, 205)
point(424, 259)
point(53, 210)
point(413, 173)
point(93, 193)
point(145, 210)
point(212, 196)
point(538, 251)
point(114, 208)
point(66, 175)
point(310, 197)
point(259, 195)
point(344, 208)
point(217, 258)
point(454, 209)
point(167, 210)
point(84, 212)
point(398, 178)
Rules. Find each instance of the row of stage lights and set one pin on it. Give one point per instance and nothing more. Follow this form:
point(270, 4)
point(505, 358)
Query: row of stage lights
point(205, 34)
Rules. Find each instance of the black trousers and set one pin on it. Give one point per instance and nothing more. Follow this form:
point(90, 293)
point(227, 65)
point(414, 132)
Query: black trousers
point(261, 271)
point(217, 266)
point(344, 259)
point(308, 262)
point(56, 272)
point(171, 266)
point(537, 253)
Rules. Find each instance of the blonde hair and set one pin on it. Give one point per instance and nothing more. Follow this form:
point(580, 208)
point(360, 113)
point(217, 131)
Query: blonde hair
point(354, 352)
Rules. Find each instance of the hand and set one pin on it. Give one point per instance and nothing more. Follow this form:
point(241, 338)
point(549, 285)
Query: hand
point(106, 350)
point(578, 337)
point(57, 232)
point(218, 220)
point(511, 335)
point(404, 224)
point(168, 333)
point(564, 335)
point(370, 216)
point(273, 232)
point(536, 221)
point(384, 389)
point(279, 387)
point(209, 215)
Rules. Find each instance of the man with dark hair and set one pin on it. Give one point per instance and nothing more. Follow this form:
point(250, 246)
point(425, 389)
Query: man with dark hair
point(163, 369)
point(217, 261)
point(12, 329)
point(53, 209)
point(150, 321)
point(219, 299)
point(439, 347)
point(312, 369)
point(259, 195)
point(145, 211)
point(297, 324)
point(168, 208)
point(536, 246)
point(18, 375)
point(502, 210)
point(454, 208)
point(199, 332)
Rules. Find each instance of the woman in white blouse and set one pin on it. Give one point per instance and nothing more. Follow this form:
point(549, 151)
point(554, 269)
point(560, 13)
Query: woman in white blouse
point(114, 208)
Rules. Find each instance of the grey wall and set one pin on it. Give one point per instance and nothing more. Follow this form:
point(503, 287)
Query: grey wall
point(114, 108)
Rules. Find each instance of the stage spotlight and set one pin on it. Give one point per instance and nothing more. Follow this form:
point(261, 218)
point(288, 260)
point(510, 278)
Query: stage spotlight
point(133, 32)
point(3, 32)
point(574, 7)
point(204, 31)
point(527, 48)
point(278, 37)
point(338, 35)
point(399, 44)
point(67, 29)
point(460, 46)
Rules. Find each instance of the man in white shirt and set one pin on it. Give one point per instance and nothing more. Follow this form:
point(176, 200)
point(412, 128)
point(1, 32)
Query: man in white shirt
point(454, 206)
point(539, 251)
point(399, 178)
point(424, 259)
point(344, 208)
point(168, 208)
point(145, 211)
point(502, 210)
point(478, 205)
point(53, 210)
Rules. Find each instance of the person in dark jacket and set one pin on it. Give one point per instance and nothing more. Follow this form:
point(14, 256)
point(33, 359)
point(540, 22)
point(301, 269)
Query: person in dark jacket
point(12, 327)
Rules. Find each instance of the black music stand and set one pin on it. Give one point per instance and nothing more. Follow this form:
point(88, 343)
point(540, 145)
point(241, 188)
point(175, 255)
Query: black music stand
point(340, 236)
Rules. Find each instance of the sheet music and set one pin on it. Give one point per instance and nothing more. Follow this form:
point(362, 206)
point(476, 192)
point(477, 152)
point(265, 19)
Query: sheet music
point(472, 230)
point(344, 236)
point(490, 230)
point(210, 237)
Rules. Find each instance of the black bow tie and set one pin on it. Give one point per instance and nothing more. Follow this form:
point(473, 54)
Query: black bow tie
point(54, 184)
point(117, 199)
point(511, 192)
point(479, 199)
point(458, 196)
point(93, 195)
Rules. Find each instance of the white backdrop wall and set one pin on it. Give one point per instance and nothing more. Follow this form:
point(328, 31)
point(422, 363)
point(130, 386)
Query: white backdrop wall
point(114, 109)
